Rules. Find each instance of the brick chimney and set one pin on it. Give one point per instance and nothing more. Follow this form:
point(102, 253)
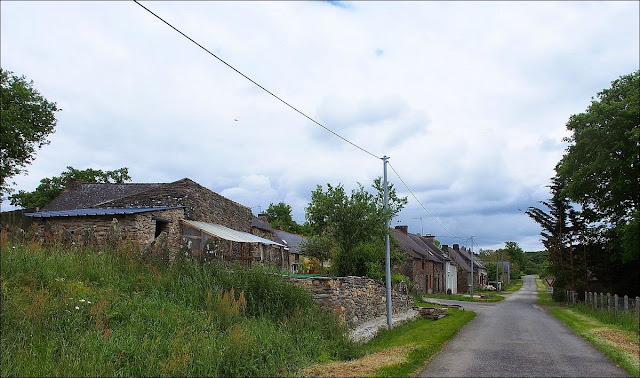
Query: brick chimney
point(456, 247)
point(403, 229)
point(430, 238)
point(263, 216)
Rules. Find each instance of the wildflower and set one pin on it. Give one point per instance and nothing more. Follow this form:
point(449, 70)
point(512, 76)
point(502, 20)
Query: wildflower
point(77, 308)
point(89, 302)
point(82, 300)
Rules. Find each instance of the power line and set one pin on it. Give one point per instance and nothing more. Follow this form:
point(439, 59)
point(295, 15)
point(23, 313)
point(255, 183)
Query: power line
point(420, 203)
point(254, 82)
point(298, 111)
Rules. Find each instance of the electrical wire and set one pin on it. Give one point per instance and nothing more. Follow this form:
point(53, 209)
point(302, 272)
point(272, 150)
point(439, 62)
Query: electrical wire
point(420, 203)
point(301, 113)
point(254, 82)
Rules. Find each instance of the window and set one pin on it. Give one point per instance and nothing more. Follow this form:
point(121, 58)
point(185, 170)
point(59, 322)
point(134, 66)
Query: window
point(161, 225)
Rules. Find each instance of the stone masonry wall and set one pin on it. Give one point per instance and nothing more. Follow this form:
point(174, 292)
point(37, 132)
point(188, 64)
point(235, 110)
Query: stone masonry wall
point(139, 227)
point(355, 300)
point(201, 204)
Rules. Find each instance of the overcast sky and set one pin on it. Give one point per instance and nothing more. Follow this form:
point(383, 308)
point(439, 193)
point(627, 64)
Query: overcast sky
point(468, 99)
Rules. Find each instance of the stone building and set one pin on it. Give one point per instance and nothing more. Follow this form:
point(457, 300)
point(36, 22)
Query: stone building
point(462, 257)
point(422, 265)
point(143, 211)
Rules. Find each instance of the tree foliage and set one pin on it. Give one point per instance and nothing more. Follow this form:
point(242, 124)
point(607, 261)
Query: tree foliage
point(357, 222)
point(50, 188)
point(321, 247)
point(27, 119)
point(591, 225)
point(279, 215)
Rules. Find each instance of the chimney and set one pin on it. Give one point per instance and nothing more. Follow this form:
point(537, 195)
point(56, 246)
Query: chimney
point(445, 247)
point(456, 247)
point(404, 229)
point(263, 217)
point(430, 238)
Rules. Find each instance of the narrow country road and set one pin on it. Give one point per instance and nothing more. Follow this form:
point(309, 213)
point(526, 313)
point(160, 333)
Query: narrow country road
point(513, 338)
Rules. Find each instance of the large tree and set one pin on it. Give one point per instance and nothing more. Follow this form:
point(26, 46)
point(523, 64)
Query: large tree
point(356, 221)
point(50, 188)
point(601, 167)
point(27, 120)
point(591, 228)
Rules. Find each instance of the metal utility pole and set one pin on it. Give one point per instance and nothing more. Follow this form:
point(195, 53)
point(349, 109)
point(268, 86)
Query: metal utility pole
point(471, 290)
point(387, 250)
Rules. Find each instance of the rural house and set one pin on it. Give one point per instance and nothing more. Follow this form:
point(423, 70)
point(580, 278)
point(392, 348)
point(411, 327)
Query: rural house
point(192, 216)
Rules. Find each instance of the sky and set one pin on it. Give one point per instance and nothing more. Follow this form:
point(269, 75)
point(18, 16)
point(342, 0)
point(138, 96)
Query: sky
point(469, 100)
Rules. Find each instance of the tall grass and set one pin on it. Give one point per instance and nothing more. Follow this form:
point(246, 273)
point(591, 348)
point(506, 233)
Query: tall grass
point(74, 312)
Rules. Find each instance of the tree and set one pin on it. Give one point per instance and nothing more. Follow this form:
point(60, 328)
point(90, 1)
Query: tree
point(27, 120)
point(321, 247)
point(591, 229)
point(50, 188)
point(357, 222)
point(601, 167)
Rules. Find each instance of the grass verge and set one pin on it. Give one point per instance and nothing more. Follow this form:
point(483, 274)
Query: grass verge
point(615, 336)
point(400, 352)
point(617, 343)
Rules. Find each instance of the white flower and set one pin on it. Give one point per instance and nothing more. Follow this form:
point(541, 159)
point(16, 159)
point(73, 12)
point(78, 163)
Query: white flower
point(82, 300)
point(89, 302)
point(77, 308)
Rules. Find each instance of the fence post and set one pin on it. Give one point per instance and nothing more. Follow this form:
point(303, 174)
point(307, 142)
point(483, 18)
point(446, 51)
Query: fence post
point(615, 304)
point(575, 298)
point(601, 300)
point(586, 299)
point(609, 302)
point(626, 303)
point(594, 301)
point(638, 306)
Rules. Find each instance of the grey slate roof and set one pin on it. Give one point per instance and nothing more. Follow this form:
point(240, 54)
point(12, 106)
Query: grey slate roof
point(88, 195)
point(103, 211)
point(261, 224)
point(292, 241)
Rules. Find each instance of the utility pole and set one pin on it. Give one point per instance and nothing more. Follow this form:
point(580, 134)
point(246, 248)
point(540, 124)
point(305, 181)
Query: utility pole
point(471, 290)
point(387, 250)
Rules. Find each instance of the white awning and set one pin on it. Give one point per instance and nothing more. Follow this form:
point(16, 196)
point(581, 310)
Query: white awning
point(226, 233)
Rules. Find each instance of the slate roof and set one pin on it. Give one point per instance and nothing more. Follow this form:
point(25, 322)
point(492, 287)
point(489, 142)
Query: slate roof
point(411, 248)
point(467, 256)
point(455, 256)
point(261, 224)
point(292, 241)
point(94, 212)
point(88, 195)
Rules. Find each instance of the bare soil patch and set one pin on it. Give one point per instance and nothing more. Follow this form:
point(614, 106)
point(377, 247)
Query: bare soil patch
point(621, 340)
point(361, 367)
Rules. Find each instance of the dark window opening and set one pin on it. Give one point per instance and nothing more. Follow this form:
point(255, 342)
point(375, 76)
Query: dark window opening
point(160, 227)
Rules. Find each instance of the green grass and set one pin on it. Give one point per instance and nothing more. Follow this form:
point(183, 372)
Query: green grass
point(491, 296)
point(426, 337)
point(585, 325)
point(70, 312)
point(513, 286)
point(584, 321)
point(544, 298)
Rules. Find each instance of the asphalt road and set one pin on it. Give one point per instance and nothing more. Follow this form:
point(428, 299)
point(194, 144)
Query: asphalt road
point(515, 338)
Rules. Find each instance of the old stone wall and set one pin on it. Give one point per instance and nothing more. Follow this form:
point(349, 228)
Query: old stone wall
point(139, 227)
point(200, 204)
point(355, 300)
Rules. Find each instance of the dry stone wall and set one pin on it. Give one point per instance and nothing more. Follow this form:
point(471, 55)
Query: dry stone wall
point(355, 300)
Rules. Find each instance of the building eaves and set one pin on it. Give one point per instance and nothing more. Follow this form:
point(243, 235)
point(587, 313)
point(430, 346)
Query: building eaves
point(98, 212)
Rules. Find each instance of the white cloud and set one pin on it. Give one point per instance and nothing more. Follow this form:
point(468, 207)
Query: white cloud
point(468, 99)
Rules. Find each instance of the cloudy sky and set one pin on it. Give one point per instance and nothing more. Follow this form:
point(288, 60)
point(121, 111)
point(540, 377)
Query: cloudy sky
point(468, 99)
